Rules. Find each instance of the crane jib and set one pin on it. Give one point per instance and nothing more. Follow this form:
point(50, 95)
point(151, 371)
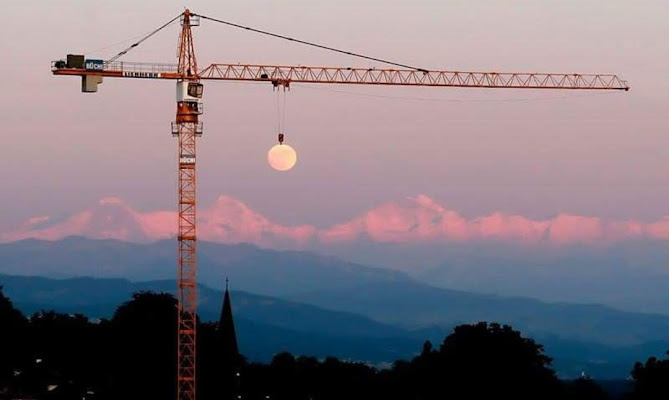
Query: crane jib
point(284, 75)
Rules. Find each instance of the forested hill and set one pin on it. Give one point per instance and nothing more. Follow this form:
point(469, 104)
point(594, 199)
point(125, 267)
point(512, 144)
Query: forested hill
point(267, 325)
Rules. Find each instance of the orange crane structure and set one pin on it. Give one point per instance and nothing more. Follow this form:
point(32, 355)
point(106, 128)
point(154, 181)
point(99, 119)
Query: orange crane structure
point(187, 128)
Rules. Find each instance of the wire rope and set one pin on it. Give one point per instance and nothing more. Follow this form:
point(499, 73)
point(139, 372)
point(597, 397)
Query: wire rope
point(312, 44)
point(132, 46)
point(121, 42)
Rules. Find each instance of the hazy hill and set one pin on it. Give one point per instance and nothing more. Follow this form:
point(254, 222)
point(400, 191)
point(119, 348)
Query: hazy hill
point(268, 325)
point(98, 298)
point(265, 325)
point(415, 305)
point(630, 275)
point(257, 270)
point(385, 296)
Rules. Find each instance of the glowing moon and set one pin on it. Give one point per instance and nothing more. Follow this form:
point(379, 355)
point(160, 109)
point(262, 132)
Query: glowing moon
point(282, 157)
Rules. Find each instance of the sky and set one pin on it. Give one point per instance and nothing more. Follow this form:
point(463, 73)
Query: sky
point(477, 152)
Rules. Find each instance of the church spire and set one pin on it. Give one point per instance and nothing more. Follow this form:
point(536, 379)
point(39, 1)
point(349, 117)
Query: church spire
point(226, 331)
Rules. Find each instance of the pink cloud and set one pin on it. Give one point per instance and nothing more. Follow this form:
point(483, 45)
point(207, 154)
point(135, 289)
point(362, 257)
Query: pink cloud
point(659, 229)
point(111, 201)
point(624, 230)
point(421, 219)
point(38, 220)
point(231, 221)
point(415, 219)
point(567, 228)
point(158, 224)
point(418, 219)
point(509, 227)
point(72, 226)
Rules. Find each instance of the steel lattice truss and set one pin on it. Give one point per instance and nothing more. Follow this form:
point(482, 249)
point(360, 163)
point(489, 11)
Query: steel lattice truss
point(187, 264)
point(360, 76)
point(373, 76)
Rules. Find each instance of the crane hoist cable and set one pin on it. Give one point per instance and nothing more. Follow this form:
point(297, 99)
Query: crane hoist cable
point(320, 46)
point(281, 103)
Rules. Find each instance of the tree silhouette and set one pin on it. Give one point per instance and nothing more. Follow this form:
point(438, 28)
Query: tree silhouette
point(485, 360)
point(145, 347)
point(651, 380)
point(13, 327)
point(133, 356)
point(70, 345)
point(584, 389)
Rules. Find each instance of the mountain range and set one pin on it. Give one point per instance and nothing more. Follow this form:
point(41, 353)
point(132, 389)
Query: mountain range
point(418, 219)
point(320, 305)
point(563, 258)
point(384, 295)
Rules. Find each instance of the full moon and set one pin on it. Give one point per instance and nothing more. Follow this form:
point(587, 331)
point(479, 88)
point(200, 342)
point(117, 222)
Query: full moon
point(282, 157)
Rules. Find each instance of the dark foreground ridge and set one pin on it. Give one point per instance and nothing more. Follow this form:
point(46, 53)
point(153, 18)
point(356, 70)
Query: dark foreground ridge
point(266, 325)
point(131, 356)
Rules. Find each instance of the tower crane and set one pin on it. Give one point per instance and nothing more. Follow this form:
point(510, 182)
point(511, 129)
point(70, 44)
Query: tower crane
point(187, 127)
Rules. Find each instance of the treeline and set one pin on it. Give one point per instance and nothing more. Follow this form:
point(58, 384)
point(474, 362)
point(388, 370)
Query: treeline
point(132, 356)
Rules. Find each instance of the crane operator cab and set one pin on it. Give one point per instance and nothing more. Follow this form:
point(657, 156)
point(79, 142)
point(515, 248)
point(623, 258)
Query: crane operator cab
point(188, 97)
point(195, 89)
point(189, 105)
point(189, 91)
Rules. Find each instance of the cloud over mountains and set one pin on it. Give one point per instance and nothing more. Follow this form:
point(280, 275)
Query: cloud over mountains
point(418, 219)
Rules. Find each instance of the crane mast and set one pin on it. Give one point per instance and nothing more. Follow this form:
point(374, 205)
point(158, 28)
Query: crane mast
point(187, 128)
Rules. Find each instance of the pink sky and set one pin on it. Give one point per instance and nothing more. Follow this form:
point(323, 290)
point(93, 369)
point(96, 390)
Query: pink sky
point(536, 155)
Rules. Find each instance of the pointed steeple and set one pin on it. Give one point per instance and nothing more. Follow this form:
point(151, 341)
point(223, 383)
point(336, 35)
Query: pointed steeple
point(226, 332)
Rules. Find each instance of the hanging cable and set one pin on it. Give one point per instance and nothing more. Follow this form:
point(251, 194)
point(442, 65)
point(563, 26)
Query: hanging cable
point(121, 42)
point(283, 116)
point(320, 46)
point(132, 46)
point(281, 113)
point(278, 115)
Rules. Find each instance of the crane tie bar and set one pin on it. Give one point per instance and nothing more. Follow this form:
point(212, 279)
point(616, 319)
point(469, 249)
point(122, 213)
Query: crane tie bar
point(137, 43)
point(320, 46)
